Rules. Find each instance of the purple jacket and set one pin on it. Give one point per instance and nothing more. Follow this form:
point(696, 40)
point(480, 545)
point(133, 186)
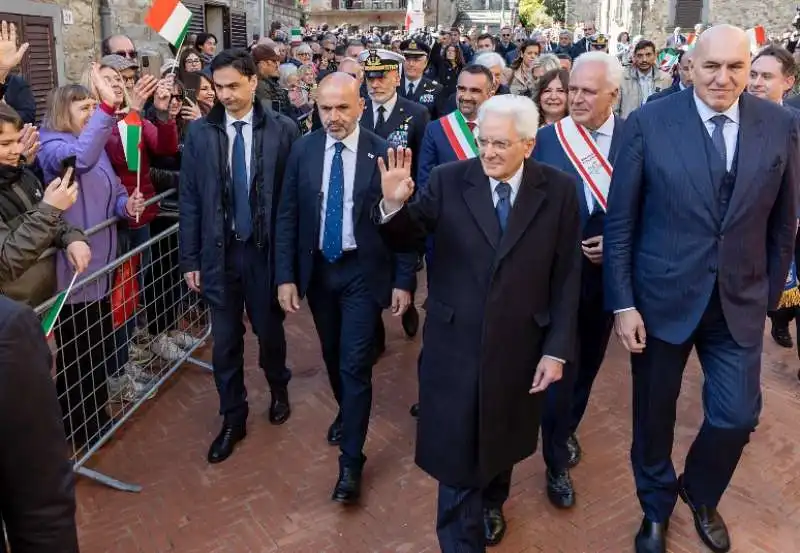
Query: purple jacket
point(101, 196)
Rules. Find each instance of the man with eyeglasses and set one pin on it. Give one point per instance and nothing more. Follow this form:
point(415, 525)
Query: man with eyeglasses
point(120, 45)
point(505, 46)
point(585, 44)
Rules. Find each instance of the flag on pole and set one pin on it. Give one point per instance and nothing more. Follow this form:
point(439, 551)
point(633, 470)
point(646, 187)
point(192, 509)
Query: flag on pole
point(49, 320)
point(415, 16)
point(758, 38)
point(667, 59)
point(170, 19)
point(130, 130)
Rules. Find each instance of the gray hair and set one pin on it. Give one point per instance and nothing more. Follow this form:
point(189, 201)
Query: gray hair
point(303, 48)
point(548, 62)
point(520, 109)
point(613, 66)
point(489, 60)
point(286, 70)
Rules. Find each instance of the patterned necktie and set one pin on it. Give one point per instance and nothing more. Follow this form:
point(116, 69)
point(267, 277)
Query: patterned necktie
point(410, 90)
point(503, 207)
point(334, 208)
point(718, 137)
point(381, 118)
point(242, 217)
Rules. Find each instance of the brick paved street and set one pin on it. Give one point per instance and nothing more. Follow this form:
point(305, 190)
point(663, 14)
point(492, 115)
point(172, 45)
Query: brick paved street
point(272, 495)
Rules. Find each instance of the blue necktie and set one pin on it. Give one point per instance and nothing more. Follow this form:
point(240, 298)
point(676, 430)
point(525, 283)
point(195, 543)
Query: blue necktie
point(334, 209)
point(242, 217)
point(503, 207)
point(718, 137)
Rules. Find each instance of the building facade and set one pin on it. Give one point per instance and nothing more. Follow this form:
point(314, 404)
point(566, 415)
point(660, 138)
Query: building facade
point(656, 19)
point(384, 14)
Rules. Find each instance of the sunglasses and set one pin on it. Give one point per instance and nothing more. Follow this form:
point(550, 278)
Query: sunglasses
point(330, 50)
point(132, 54)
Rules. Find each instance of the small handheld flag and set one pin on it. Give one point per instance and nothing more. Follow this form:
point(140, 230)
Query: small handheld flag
point(130, 130)
point(296, 36)
point(49, 320)
point(667, 59)
point(170, 19)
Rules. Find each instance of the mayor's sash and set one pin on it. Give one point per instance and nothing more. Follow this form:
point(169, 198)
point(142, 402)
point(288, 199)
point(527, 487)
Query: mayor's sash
point(582, 151)
point(459, 136)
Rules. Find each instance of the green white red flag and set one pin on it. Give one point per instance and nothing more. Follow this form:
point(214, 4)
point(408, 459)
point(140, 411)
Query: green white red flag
point(50, 319)
point(170, 19)
point(130, 130)
point(667, 59)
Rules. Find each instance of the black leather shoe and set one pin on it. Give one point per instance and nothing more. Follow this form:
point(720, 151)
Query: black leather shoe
point(559, 489)
point(781, 336)
point(335, 431)
point(348, 486)
point(223, 445)
point(279, 409)
point(414, 411)
point(494, 525)
point(652, 537)
point(410, 320)
point(575, 451)
point(708, 523)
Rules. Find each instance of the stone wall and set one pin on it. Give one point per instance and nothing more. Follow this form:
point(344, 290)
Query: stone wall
point(290, 17)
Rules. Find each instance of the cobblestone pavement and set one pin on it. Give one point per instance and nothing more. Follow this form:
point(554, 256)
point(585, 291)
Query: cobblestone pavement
point(273, 494)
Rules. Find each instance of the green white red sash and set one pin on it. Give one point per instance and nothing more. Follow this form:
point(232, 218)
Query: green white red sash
point(582, 151)
point(459, 136)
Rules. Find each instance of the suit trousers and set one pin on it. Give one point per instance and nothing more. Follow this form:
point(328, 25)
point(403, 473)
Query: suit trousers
point(247, 287)
point(345, 314)
point(567, 399)
point(459, 524)
point(731, 403)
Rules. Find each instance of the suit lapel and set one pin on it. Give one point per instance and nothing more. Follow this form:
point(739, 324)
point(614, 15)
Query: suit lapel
point(269, 149)
point(682, 126)
point(526, 206)
point(316, 162)
point(752, 136)
point(616, 138)
point(366, 118)
point(365, 167)
point(478, 197)
point(398, 115)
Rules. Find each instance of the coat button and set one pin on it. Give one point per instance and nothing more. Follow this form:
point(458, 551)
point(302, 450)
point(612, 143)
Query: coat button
point(219, 243)
point(712, 269)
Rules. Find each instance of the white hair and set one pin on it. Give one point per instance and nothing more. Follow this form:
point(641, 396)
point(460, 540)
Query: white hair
point(489, 60)
point(519, 108)
point(613, 66)
point(548, 62)
point(286, 70)
point(302, 48)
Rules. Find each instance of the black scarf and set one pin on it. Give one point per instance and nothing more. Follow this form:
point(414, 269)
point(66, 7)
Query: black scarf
point(17, 186)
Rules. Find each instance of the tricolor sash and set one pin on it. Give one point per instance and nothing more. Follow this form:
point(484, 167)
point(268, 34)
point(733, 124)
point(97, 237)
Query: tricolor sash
point(459, 136)
point(582, 151)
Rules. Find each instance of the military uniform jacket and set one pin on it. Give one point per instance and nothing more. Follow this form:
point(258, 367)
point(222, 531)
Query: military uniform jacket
point(404, 127)
point(427, 93)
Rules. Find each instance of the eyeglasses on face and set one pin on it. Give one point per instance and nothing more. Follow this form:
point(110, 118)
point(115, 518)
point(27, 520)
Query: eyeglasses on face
point(131, 54)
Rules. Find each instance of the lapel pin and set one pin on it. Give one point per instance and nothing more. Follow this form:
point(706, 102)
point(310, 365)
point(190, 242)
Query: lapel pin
point(371, 155)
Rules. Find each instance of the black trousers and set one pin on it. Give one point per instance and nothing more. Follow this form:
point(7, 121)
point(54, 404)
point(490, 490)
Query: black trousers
point(163, 288)
point(345, 313)
point(246, 288)
point(459, 519)
point(731, 404)
point(85, 341)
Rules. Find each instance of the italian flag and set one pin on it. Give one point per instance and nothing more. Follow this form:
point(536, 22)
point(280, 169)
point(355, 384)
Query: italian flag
point(130, 130)
point(296, 36)
point(49, 320)
point(667, 59)
point(459, 136)
point(758, 38)
point(170, 19)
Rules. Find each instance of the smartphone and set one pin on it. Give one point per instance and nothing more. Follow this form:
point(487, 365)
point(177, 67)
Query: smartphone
point(190, 94)
point(68, 165)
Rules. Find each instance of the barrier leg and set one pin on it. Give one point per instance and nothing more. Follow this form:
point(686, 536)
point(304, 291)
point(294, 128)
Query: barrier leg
point(107, 480)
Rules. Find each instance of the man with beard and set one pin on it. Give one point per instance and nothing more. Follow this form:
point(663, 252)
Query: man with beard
point(641, 80)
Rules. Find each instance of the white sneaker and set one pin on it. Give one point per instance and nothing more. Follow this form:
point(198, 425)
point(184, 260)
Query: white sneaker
point(166, 349)
point(124, 389)
point(139, 354)
point(183, 339)
point(141, 375)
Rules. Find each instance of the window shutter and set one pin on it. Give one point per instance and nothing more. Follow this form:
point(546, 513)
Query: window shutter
point(38, 66)
point(688, 13)
point(197, 24)
point(239, 30)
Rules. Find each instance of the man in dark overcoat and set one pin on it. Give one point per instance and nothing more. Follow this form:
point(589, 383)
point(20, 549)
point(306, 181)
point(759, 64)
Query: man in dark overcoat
point(501, 310)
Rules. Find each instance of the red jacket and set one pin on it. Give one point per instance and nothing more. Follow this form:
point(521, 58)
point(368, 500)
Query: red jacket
point(158, 139)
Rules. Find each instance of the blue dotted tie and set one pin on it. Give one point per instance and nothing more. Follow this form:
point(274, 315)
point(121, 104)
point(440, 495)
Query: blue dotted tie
point(242, 217)
point(334, 209)
point(503, 207)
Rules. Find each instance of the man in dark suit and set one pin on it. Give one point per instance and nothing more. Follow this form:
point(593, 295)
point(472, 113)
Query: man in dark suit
point(414, 85)
point(328, 250)
point(501, 311)
point(231, 175)
point(496, 65)
point(594, 87)
point(772, 76)
point(698, 238)
point(402, 124)
point(36, 479)
point(684, 77)
point(584, 44)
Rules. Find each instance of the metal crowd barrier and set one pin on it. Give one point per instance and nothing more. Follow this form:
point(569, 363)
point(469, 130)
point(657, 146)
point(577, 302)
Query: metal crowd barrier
point(122, 333)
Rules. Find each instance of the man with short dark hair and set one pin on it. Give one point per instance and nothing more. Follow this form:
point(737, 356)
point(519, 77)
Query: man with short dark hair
point(414, 85)
point(684, 74)
point(506, 47)
point(121, 45)
point(484, 43)
point(641, 80)
point(231, 177)
point(271, 94)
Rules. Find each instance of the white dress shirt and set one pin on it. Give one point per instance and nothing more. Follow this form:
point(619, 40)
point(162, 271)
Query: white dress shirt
point(646, 84)
point(414, 84)
point(388, 107)
point(605, 133)
point(513, 182)
point(349, 162)
point(730, 131)
point(247, 133)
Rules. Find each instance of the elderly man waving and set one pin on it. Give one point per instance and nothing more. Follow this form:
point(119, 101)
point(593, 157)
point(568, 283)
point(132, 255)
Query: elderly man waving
point(501, 310)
